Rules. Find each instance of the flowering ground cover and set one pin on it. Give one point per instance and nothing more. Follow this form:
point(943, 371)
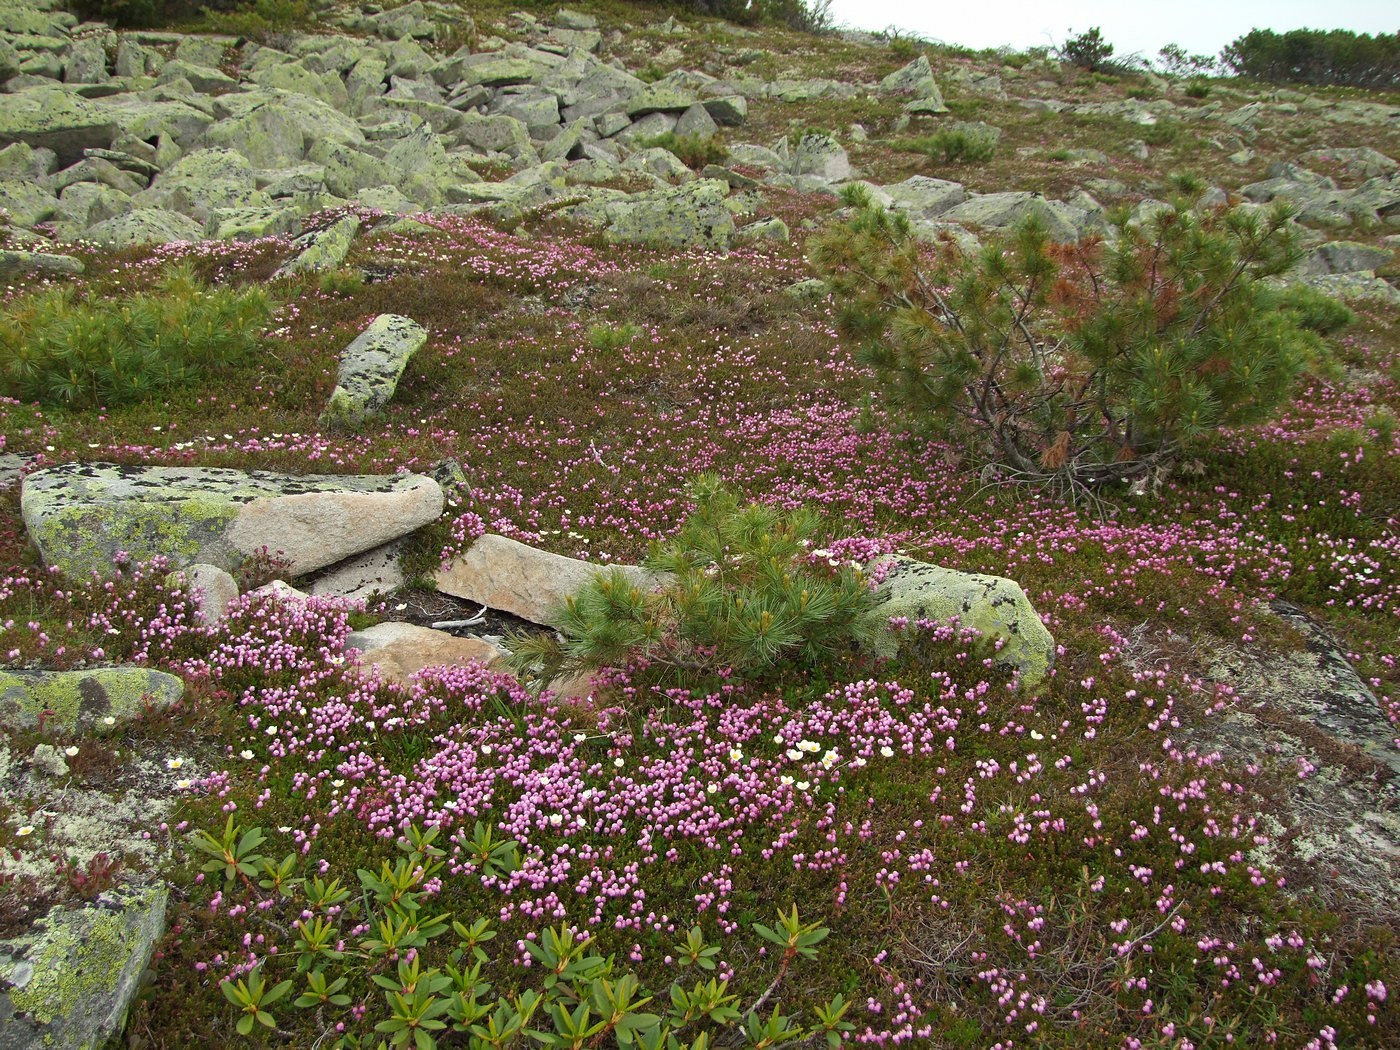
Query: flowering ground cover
point(1113, 857)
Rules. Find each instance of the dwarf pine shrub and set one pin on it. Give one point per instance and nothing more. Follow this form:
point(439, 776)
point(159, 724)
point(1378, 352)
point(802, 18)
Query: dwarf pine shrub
point(59, 349)
point(1082, 364)
point(745, 589)
point(956, 145)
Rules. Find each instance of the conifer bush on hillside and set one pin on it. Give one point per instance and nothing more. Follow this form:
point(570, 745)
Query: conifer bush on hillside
point(1314, 56)
point(1078, 365)
point(58, 349)
point(745, 589)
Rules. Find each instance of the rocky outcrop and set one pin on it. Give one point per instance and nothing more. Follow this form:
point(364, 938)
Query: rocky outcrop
point(370, 368)
point(81, 516)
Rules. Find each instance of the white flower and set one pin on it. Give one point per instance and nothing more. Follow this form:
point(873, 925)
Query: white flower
point(110, 720)
point(794, 754)
point(485, 749)
point(580, 737)
point(619, 762)
point(858, 761)
point(174, 763)
point(245, 754)
point(785, 781)
point(24, 829)
point(886, 751)
point(71, 751)
point(778, 739)
point(184, 785)
point(712, 787)
point(830, 759)
point(555, 819)
point(804, 785)
point(272, 730)
point(821, 553)
point(1036, 735)
point(809, 745)
point(736, 754)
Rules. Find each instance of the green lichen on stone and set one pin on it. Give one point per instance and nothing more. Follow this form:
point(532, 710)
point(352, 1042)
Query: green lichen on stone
point(324, 250)
point(77, 977)
point(83, 539)
point(992, 605)
point(80, 701)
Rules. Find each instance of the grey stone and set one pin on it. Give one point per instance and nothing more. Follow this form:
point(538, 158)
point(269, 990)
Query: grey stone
point(201, 78)
point(360, 577)
point(1344, 257)
point(20, 161)
point(923, 197)
point(1001, 210)
point(819, 155)
point(26, 203)
point(398, 651)
point(693, 215)
point(915, 79)
point(697, 122)
point(202, 181)
point(370, 368)
point(87, 62)
point(69, 982)
point(1361, 161)
point(771, 228)
point(213, 591)
point(95, 169)
point(79, 515)
point(727, 110)
point(277, 129)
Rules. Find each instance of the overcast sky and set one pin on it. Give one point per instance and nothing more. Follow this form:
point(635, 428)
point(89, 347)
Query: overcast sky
point(1200, 26)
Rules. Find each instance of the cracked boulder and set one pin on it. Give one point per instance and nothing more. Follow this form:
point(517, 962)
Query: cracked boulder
point(81, 516)
point(992, 605)
point(370, 368)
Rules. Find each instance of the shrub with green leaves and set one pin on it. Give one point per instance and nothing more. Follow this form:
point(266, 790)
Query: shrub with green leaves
point(387, 969)
point(956, 145)
point(1089, 50)
point(694, 151)
point(59, 349)
point(1078, 365)
point(744, 589)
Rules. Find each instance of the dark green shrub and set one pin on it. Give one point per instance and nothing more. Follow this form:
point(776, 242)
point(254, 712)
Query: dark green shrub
point(58, 349)
point(955, 146)
point(1078, 365)
point(1314, 310)
point(694, 151)
point(1197, 87)
point(1089, 50)
point(1163, 134)
point(745, 590)
point(1176, 62)
point(1314, 56)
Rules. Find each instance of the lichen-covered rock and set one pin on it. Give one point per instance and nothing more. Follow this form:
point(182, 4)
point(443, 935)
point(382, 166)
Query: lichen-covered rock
point(686, 216)
point(12, 263)
point(78, 702)
point(1344, 257)
point(211, 589)
point(1002, 210)
point(514, 577)
point(145, 226)
point(204, 181)
point(370, 368)
point(322, 250)
point(67, 984)
point(275, 130)
point(993, 605)
point(923, 197)
point(80, 515)
point(915, 79)
point(55, 119)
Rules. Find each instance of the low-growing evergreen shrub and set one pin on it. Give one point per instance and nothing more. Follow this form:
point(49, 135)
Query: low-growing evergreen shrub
point(745, 591)
point(1078, 365)
point(58, 349)
point(1315, 56)
point(1089, 50)
point(694, 151)
point(955, 146)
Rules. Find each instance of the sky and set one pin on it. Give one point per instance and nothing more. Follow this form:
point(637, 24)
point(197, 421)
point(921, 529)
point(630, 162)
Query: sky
point(1200, 26)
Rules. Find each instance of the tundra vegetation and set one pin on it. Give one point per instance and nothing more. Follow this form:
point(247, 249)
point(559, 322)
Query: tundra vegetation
point(752, 832)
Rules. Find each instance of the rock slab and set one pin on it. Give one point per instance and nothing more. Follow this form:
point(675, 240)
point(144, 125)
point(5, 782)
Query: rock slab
point(82, 515)
point(400, 650)
point(67, 984)
point(514, 577)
